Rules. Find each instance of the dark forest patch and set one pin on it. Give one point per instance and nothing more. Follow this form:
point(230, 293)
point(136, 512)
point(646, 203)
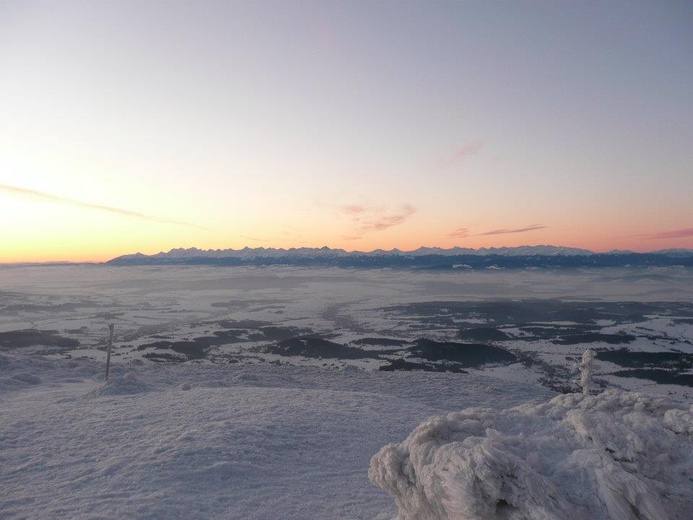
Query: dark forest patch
point(316, 347)
point(35, 337)
point(380, 342)
point(401, 364)
point(28, 307)
point(241, 324)
point(625, 358)
point(220, 337)
point(525, 312)
point(554, 331)
point(660, 376)
point(237, 332)
point(594, 337)
point(483, 334)
point(464, 354)
point(163, 357)
point(197, 348)
point(273, 333)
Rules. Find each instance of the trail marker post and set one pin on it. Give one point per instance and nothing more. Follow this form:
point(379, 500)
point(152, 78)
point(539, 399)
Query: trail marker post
point(586, 367)
point(108, 351)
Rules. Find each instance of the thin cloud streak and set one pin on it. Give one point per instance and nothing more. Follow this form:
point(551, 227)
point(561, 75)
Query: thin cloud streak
point(367, 220)
point(110, 209)
point(459, 233)
point(468, 149)
point(464, 151)
point(464, 232)
point(388, 221)
point(509, 231)
point(353, 209)
point(678, 233)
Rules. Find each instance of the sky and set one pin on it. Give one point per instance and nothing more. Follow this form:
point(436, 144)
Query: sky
point(131, 126)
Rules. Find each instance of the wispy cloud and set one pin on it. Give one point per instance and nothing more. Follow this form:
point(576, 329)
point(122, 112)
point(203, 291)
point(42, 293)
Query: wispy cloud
point(464, 151)
point(462, 232)
point(16, 190)
point(677, 233)
point(384, 222)
point(468, 149)
point(367, 219)
point(533, 227)
point(353, 209)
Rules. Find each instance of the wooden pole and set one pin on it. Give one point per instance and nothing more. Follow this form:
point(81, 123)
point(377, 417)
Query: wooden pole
point(108, 352)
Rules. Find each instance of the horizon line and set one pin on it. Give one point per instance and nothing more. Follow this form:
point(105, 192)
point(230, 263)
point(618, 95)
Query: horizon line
point(29, 263)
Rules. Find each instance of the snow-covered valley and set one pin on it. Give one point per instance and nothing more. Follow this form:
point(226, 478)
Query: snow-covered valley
point(263, 393)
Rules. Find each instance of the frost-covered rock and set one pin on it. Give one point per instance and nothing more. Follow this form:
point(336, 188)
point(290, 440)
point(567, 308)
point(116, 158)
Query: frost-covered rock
point(612, 456)
point(586, 367)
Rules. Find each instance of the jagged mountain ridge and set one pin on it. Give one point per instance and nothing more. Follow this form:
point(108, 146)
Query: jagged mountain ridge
point(426, 257)
point(262, 252)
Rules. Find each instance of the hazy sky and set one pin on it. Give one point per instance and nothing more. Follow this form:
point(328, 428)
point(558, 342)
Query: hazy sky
point(145, 125)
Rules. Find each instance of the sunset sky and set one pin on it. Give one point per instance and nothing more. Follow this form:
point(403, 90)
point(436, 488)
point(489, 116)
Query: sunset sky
point(132, 126)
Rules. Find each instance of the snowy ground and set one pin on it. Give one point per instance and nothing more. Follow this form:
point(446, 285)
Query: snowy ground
point(243, 432)
point(244, 442)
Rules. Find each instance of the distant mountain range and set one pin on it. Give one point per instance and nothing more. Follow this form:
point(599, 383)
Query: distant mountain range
point(424, 257)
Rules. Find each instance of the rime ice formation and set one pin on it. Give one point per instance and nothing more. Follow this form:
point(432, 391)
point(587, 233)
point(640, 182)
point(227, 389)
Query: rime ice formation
point(586, 366)
point(613, 456)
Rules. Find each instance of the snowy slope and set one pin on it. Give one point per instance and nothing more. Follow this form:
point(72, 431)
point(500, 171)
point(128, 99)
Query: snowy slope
point(244, 442)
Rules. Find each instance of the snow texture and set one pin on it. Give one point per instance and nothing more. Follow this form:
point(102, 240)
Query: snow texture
point(120, 385)
point(617, 456)
point(204, 442)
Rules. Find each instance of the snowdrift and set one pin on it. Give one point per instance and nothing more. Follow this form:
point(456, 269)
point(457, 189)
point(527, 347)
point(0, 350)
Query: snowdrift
point(613, 456)
point(120, 385)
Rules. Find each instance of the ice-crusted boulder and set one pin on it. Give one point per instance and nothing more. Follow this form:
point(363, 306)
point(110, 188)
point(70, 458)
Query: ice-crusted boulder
point(616, 456)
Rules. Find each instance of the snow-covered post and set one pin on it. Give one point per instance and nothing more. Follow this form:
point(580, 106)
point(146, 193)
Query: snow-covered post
point(586, 366)
point(108, 351)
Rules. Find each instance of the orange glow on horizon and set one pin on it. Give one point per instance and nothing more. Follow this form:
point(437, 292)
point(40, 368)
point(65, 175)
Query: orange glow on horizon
point(57, 252)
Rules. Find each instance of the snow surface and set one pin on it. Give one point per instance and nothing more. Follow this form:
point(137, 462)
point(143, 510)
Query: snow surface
point(243, 442)
point(615, 456)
